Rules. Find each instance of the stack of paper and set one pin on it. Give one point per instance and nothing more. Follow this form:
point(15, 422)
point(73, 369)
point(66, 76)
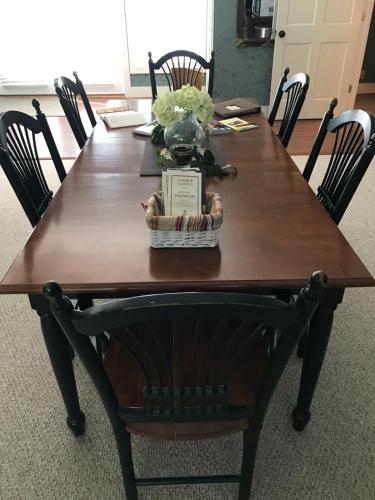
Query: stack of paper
point(123, 119)
point(182, 191)
point(217, 128)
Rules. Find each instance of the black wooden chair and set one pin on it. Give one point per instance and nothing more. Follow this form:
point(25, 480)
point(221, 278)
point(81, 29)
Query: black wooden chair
point(188, 366)
point(67, 91)
point(20, 160)
point(353, 150)
point(295, 89)
point(21, 164)
point(182, 67)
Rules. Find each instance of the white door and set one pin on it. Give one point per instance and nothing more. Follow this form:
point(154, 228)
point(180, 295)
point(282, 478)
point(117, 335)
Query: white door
point(327, 40)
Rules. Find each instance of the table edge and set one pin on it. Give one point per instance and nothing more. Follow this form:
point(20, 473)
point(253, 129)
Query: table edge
point(187, 285)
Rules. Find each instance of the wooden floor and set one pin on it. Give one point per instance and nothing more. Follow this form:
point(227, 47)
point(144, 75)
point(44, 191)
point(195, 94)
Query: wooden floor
point(305, 131)
point(300, 144)
point(61, 131)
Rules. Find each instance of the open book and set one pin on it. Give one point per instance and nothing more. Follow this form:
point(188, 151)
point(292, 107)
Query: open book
point(123, 119)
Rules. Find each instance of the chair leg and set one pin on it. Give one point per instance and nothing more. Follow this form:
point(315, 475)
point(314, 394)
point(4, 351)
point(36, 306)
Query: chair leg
point(123, 441)
point(250, 444)
point(71, 351)
point(302, 344)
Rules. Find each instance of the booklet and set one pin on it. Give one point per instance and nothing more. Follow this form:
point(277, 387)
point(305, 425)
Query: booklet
point(217, 128)
point(123, 119)
point(182, 191)
point(238, 124)
point(145, 129)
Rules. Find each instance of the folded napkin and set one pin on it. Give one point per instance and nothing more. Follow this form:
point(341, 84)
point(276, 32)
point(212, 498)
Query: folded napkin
point(156, 220)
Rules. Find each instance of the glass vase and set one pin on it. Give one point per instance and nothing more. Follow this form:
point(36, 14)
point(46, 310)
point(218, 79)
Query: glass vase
point(181, 137)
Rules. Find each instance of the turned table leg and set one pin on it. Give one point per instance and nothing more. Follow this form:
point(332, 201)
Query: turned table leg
point(60, 357)
point(317, 342)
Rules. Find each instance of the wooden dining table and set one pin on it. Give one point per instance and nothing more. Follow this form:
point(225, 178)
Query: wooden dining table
point(94, 241)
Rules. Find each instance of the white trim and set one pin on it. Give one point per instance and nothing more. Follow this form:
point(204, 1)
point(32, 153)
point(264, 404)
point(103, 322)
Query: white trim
point(210, 28)
point(361, 47)
point(43, 89)
point(366, 88)
point(137, 91)
point(127, 84)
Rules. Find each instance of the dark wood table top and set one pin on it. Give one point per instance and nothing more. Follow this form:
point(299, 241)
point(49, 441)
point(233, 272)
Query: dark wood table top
point(93, 237)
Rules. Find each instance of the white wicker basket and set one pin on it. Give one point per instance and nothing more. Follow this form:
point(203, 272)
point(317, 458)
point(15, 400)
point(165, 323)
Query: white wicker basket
point(168, 236)
point(191, 239)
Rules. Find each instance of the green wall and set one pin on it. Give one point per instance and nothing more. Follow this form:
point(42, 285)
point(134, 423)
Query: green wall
point(239, 72)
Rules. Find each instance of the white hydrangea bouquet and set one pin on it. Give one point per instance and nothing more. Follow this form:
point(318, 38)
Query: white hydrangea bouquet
point(171, 107)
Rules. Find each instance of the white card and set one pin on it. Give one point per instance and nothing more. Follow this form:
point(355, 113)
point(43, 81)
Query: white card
point(185, 193)
point(185, 198)
point(232, 108)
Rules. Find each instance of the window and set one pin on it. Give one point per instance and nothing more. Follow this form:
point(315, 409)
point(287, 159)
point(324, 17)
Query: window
point(45, 39)
point(104, 42)
point(164, 26)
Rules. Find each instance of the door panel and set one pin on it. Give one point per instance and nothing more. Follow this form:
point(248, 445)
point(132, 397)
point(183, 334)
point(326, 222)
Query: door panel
point(301, 12)
point(326, 39)
point(339, 11)
point(333, 56)
point(300, 54)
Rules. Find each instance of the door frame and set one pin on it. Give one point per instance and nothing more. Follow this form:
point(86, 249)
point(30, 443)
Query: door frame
point(362, 42)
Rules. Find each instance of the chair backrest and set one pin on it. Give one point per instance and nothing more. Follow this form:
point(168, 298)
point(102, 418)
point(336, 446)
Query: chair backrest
point(67, 91)
point(295, 89)
point(352, 152)
point(185, 348)
point(182, 67)
point(20, 160)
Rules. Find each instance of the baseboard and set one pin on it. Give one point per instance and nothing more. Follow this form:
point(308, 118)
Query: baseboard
point(366, 88)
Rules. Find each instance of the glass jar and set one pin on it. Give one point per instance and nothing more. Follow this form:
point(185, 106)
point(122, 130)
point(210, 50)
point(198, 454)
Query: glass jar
point(181, 137)
point(186, 131)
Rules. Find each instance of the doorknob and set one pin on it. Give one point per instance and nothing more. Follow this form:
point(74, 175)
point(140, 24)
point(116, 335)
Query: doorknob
point(281, 34)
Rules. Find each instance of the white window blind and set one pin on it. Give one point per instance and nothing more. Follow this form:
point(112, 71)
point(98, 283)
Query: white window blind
point(104, 42)
point(42, 39)
point(165, 25)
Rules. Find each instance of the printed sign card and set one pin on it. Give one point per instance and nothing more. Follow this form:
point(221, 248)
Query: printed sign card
point(182, 190)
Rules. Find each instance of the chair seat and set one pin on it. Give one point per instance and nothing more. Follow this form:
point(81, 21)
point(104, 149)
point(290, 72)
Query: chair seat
point(128, 385)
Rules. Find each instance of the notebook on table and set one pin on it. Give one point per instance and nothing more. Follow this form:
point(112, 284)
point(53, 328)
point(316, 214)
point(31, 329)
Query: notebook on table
point(235, 107)
point(123, 119)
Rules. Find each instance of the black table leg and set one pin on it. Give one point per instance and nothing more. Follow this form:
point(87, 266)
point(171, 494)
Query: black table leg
point(60, 357)
point(317, 342)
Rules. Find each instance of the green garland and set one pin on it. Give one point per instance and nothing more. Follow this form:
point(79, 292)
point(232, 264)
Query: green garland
point(157, 136)
point(205, 161)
